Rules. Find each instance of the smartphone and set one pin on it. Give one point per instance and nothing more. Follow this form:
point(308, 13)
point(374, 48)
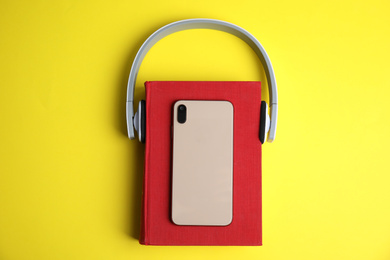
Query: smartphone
point(202, 163)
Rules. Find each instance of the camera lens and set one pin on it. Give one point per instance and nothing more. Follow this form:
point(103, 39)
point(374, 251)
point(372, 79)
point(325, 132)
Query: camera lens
point(181, 114)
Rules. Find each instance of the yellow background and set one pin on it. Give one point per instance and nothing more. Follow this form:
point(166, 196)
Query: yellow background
point(70, 180)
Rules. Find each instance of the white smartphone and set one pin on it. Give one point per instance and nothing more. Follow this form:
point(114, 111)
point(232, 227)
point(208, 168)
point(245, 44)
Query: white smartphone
point(202, 163)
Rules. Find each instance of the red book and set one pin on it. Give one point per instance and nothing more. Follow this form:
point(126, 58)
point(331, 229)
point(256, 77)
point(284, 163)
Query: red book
point(157, 227)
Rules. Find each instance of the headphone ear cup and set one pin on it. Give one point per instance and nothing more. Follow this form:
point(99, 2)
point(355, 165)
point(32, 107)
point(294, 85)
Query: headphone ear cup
point(264, 122)
point(140, 121)
point(143, 121)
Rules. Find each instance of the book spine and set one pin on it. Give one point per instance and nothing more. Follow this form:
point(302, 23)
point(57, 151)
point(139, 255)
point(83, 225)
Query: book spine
point(144, 212)
point(144, 225)
point(142, 239)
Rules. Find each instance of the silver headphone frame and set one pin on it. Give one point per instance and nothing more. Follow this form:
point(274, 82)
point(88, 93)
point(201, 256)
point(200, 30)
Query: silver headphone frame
point(203, 24)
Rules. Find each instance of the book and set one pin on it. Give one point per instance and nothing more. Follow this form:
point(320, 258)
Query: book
point(157, 227)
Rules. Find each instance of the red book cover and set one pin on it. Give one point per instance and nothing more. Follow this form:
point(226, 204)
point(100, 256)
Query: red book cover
point(157, 227)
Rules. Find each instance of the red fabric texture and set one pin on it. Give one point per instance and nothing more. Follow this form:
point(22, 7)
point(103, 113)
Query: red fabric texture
point(156, 225)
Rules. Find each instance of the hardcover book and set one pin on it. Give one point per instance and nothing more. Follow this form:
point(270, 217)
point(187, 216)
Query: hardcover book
point(157, 227)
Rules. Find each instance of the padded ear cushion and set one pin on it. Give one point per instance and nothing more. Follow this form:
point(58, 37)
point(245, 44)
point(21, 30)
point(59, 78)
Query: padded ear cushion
point(143, 121)
point(263, 115)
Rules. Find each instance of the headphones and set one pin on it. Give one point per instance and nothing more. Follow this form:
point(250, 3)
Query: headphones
point(138, 121)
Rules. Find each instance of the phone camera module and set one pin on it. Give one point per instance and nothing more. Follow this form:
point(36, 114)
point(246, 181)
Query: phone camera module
point(181, 114)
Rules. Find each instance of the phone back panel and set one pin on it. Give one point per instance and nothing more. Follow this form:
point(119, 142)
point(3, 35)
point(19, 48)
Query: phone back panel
point(202, 166)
